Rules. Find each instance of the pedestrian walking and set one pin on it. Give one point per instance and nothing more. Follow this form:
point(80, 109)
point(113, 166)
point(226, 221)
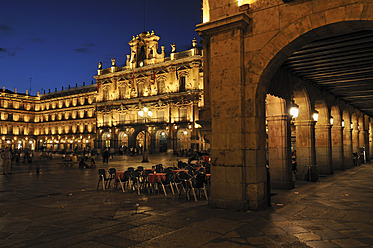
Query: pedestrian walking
point(7, 157)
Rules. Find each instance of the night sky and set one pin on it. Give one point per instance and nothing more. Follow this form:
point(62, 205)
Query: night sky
point(60, 42)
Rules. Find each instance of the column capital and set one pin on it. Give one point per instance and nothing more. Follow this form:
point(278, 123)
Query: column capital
point(323, 126)
point(236, 21)
point(277, 117)
point(304, 123)
point(337, 128)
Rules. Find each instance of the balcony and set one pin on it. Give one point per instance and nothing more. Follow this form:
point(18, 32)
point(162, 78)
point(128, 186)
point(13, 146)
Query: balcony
point(141, 121)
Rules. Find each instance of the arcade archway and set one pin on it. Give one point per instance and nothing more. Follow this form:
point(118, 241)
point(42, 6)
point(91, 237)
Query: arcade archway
point(244, 48)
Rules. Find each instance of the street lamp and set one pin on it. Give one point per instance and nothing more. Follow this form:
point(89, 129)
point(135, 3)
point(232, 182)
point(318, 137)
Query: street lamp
point(145, 113)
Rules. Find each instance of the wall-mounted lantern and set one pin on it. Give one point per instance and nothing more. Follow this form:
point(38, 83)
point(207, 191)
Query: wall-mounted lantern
point(315, 115)
point(293, 109)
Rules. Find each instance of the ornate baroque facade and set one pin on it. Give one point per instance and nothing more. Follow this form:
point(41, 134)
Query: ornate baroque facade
point(107, 114)
point(170, 87)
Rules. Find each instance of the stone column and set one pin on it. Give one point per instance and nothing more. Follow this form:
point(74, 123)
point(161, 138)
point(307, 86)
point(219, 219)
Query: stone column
point(305, 146)
point(363, 140)
point(355, 139)
point(347, 145)
point(370, 141)
point(323, 148)
point(238, 120)
point(279, 154)
point(337, 147)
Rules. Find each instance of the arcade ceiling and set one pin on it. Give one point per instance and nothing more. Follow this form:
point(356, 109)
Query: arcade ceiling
point(341, 65)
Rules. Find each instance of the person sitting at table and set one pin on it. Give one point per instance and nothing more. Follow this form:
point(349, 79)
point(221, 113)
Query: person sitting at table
point(67, 157)
point(93, 163)
point(74, 158)
point(82, 164)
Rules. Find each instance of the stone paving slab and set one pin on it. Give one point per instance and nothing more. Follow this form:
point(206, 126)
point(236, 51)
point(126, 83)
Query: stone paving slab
point(60, 207)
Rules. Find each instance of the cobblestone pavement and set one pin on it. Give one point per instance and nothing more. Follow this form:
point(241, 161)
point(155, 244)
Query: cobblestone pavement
point(60, 207)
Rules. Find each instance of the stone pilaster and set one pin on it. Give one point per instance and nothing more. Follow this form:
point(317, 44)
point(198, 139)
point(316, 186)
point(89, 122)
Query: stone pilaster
point(279, 154)
point(347, 146)
point(305, 146)
point(337, 148)
point(238, 149)
point(323, 149)
point(363, 141)
point(370, 141)
point(355, 140)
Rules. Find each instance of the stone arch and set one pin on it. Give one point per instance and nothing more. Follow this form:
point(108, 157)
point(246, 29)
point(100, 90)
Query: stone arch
point(139, 138)
point(272, 54)
point(184, 137)
point(290, 39)
point(161, 137)
point(123, 139)
point(106, 137)
point(254, 56)
point(302, 99)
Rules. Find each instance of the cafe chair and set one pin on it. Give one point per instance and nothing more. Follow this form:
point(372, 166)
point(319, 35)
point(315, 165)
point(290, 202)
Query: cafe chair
point(185, 181)
point(124, 179)
point(112, 174)
point(102, 178)
point(199, 183)
point(145, 180)
point(159, 168)
point(136, 179)
point(168, 182)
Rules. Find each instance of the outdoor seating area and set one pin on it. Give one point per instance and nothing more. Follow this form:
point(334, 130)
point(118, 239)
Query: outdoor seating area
point(189, 181)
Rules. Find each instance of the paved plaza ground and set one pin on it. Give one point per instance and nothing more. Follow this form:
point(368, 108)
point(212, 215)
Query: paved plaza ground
point(60, 207)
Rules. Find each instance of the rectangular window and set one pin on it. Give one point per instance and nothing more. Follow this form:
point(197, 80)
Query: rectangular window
point(140, 89)
point(183, 114)
point(182, 84)
point(161, 87)
point(161, 116)
point(122, 118)
point(106, 120)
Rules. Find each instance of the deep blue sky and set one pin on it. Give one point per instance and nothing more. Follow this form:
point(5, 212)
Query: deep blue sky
point(60, 42)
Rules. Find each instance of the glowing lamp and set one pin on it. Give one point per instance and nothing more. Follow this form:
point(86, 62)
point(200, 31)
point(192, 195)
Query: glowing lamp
point(315, 115)
point(294, 110)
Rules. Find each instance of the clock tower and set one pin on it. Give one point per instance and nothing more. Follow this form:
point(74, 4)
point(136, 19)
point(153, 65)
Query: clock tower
point(144, 50)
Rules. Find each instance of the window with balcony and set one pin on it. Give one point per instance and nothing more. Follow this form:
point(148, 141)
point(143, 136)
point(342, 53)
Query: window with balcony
point(161, 87)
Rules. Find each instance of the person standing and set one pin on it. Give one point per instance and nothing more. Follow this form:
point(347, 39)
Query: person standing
point(7, 157)
point(105, 156)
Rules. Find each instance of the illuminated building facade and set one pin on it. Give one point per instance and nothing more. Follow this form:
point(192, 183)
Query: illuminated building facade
point(106, 114)
point(170, 87)
point(60, 120)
